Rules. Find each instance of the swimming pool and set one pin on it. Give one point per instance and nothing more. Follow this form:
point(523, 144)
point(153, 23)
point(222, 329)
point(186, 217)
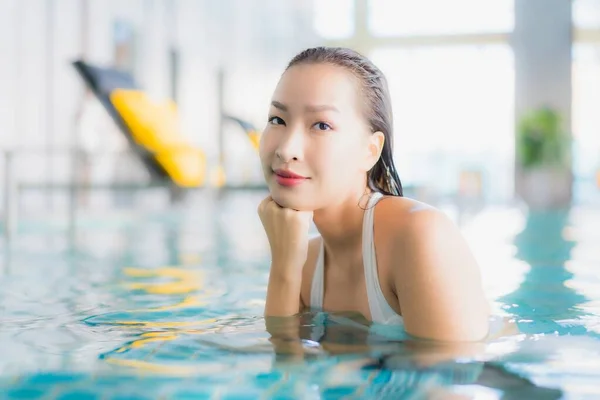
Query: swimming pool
point(140, 304)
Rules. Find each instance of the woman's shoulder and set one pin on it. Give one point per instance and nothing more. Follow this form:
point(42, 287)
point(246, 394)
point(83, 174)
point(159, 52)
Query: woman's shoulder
point(406, 226)
point(399, 215)
point(429, 263)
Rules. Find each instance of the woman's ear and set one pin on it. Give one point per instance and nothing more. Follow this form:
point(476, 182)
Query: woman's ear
point(375, 147)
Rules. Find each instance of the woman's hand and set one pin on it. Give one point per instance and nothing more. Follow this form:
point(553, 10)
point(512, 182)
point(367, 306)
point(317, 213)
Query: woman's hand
point(287, 231)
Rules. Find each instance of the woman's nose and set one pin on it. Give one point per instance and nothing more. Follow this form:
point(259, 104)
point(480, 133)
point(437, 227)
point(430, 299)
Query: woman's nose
point(291, 146)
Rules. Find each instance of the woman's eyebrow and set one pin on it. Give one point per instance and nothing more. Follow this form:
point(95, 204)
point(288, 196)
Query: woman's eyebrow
point(279, 106)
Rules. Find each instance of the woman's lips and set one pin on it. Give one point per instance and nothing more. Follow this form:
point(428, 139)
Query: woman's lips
point(288, 178)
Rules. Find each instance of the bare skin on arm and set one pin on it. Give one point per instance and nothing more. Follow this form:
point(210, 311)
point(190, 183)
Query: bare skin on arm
point(436, 278)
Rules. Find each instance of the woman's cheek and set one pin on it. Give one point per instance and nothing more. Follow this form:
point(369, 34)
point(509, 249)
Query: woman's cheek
point(265, 145)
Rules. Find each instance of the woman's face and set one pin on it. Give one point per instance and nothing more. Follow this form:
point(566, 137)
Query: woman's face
point(315, 149)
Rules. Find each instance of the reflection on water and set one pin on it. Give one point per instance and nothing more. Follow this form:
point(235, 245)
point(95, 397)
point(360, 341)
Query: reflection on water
point(543, 300)
point(171, 305)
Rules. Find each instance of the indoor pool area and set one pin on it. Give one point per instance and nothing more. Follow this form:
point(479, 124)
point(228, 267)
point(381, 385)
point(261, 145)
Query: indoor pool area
point(166, 164)
point(149, 304)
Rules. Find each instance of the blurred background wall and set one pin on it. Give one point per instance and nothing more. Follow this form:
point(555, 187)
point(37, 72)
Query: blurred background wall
point(461, 73)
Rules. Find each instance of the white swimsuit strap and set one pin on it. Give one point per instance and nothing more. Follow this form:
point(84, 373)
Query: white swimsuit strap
point(381, 311)
point(316, 289)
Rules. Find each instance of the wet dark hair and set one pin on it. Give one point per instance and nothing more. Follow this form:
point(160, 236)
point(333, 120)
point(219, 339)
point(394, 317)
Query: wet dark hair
point(383, 177)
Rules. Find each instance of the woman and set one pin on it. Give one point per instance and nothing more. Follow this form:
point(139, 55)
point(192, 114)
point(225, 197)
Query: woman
point(326, 154)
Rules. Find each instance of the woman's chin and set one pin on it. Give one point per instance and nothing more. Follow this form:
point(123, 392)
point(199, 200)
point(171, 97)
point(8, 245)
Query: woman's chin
point(290, 201)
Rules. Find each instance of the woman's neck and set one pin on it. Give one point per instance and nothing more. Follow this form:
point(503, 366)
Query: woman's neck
point(340, 225)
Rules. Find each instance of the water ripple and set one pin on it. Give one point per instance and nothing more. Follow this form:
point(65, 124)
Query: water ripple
point(171, 307)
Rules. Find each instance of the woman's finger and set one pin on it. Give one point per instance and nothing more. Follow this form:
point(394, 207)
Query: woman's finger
point(264, 203)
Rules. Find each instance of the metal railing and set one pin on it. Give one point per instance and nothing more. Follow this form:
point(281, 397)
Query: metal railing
point(10, 196)
point(12, 187)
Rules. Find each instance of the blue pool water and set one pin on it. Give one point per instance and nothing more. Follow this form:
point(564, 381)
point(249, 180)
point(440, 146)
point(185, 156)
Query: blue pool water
point(140, 303)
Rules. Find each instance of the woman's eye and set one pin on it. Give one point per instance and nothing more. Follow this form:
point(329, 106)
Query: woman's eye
point(322, 126)
point(276, 121)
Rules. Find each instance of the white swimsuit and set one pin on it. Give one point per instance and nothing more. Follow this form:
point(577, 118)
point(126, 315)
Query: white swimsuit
point(381, 311)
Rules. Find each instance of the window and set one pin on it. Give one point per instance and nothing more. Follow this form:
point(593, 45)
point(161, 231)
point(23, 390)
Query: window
point(586, 14)
point(586, 122)
point(439, 17)
point(454, 115)
point(334, 19)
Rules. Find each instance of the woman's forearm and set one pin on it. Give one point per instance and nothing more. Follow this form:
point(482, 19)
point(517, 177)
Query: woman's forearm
point(283, 294)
